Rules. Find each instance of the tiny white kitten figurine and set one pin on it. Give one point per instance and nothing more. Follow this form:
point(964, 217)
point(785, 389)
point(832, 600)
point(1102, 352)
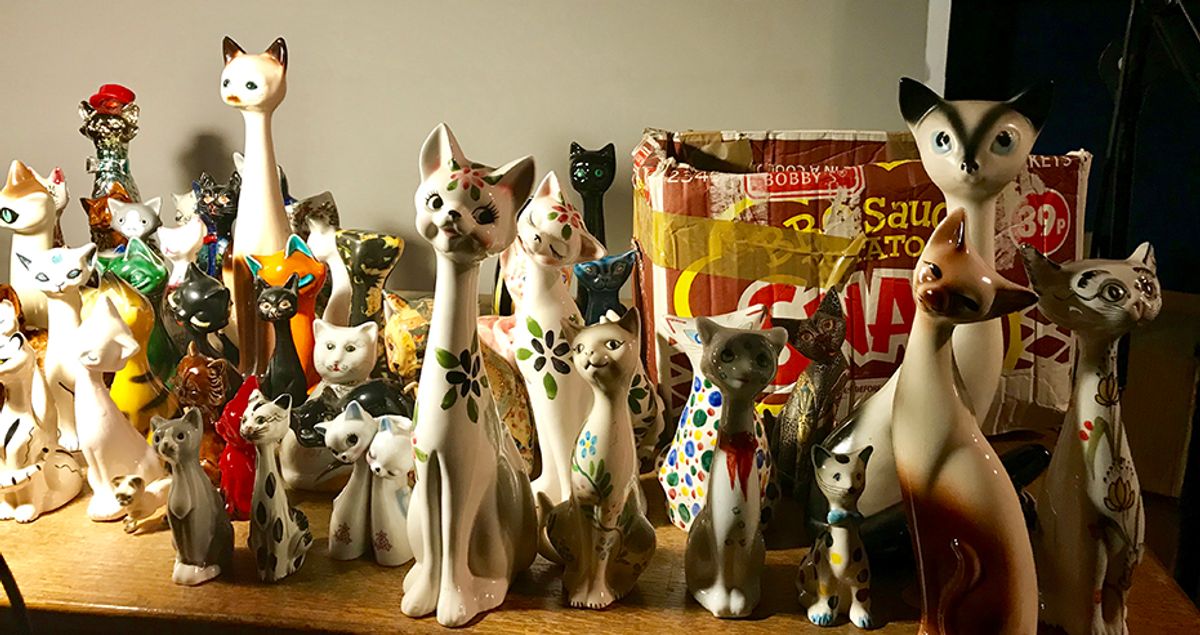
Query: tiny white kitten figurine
point(390, 459)
point(110, 444)
point(343, 355)
point(364, 516)
point(322, 240)
point(600, 533)
point(136, 220)
point(835, 576)
point(138, 505)
point(179, 246)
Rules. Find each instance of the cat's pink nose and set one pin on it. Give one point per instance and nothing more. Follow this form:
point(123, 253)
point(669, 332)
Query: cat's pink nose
point(936, 300)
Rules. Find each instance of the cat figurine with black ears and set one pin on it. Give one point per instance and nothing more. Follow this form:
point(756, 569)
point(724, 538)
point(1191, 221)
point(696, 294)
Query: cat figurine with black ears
point(284, 375)
point(201, 305)
point(602, 279)
point(217, 208)
point(592, 173)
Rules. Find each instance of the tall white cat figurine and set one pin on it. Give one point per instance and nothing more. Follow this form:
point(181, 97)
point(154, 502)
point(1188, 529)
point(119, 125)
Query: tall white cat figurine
point(1091, 522)
point(550, 231)
point(59, 273)
point(322, 240)
point(471, 520)
point(36, 476)
point(179, 245)
point(30, 206)
point(109, 443)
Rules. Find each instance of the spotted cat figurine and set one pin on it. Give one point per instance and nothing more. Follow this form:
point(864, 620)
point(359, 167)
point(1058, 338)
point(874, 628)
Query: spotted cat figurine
point(217, 208)
point(201, 305)
point(1091, 520)
point(603, 279)
point(723, 561)
point(200, 529)
point(279, 534)
point(808, 415)
point(835, 575)
point(600, 533)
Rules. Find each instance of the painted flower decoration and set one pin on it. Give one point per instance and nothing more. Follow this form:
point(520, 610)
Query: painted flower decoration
point(1108, 394)
point(546, 350)
point(463, 375)
point(587, 444)
point(470, 178)
point(565, 213)
point(111, 99)
point(1121, 496)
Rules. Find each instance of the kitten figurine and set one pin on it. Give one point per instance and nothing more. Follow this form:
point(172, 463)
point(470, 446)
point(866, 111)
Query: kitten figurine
point(279, 534)
point(180, 246)
point(603, 279)
point(136, 220)
point(835, 575)
point(278, 305)
point(185, 207)
point(974, 558)
point(200, 529)
point(808, 415)
point(344, 355)
point(217, 208)
point(390, 459)
point(201, 305)
point(1091, 521)
point(600, 533)
point(724, 558)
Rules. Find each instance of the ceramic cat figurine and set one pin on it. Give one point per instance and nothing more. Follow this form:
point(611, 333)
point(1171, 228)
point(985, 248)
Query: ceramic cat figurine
point(110, 445)
point(217, 209)
point(36, 475)
point(140, 509)
point(390, 459)
point(971, 150)
point(30, 208)
point(180, 246)
point(279, 534)
point(687, 464)
point(725, 550)
point(275, 269)
point(808, 415)
point(592, 173)
point(600, 533)
point(59, 273)
point(255, 85)
point(370, 258)
point(405, 331)
point(603, 280)
point(201, 305)
point(200, 529)
point(207, 385)
point(363, 518)
point(284, 376)
point(140, 266)
point(835, 575)
point(238, 455)
point(1090, 514)
point(322, 241)
point(974, 557)
point(472, 524)
point(136, 220)
point(551, 233)
point(185, 207)
point(647, 409)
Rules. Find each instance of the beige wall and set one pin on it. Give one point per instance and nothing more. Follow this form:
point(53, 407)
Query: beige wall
point(368, 81)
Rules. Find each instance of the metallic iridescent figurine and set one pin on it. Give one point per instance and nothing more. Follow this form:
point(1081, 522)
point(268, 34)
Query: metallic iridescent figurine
point(110, 120)
point(1091, 523)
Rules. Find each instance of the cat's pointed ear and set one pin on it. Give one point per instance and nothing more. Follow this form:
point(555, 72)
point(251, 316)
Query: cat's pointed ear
point(576, 149)
point(354, 411)
point(549, 187)
point(230, 49)
point(1038, 268)
point(1144, 255)
point(831, 303)
point(157, 422)
point(1009, 297)
point(952, 231)
point(253, 265)
point(517, 176)
point(630, 257)
point(235, 182)
point(116, 206)
point(155, 204)
point(589, 247)
point(129, 346)
point(283, 401)
point(90, 254)
point(609, 151)
point(389, 305)
point(820, 455)
point(278, 50)
point(631, 322)
point(205, 181)
point(319, 327)
point(193, 418)
point(293, 283)
point(369, 330)
point(707, 329)
point(777, 337)
point(865, 453)
point(916, 100)
point(297, 244)
point(1034, 103)
point(439, 150)
point(239, 160)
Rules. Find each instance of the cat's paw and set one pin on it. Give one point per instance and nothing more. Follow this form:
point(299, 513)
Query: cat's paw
point(820, 617)
point(68, 441)
point(6, 511)
point(455, 608)
point(595, 595)
point(861, 618)
point(25, 513)
point(420, 593)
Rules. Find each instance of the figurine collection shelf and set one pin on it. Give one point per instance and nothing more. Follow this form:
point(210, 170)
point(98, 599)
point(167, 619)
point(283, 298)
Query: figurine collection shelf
point(94, 586)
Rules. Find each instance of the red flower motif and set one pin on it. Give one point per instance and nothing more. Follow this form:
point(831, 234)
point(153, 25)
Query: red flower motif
point(111, 99)
point(566, 213)
point(468, 177)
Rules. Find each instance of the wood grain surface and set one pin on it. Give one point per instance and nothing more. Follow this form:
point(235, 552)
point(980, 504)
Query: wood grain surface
point(80, 576)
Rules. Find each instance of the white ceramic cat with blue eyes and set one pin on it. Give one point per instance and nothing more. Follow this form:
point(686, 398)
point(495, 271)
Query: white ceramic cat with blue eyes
point(136, 220)
point(1091, 521)
point(30, 206)
point(59, 274)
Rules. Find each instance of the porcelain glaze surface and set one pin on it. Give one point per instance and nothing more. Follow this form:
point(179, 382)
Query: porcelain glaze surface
point(275, 269)
point(1091, 520)
point(601, 282)
point(322, 241)
point(180, 246)
point(207, 385)
point(238, 455)
point(139, 265)
point(201, 305)
point(29, 208)
point(472, 523)
point(963, 513)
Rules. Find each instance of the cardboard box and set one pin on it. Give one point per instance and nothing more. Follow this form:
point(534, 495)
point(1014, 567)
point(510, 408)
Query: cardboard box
point(725, 220)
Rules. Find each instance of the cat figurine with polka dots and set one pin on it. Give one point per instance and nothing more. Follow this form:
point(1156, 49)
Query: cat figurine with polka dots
point(723, 562)
point(835, 575)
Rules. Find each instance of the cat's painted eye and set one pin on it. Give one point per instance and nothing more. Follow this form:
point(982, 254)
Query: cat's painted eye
point(1004, 142)
point(579, 348)
point(727, 355)
point(942, 142)
point(225, 83)
point(41, 277)
point(837, 476)
point(613, 345)
point(827, 325)
point(350, 348)
point(221, 200)
point(598, 172)
point(260, 419)
point(329, 346)
point(1113, 292)
point(763, 360)
point(179, 436)
point(485, 215)
point(251, 86)
point(433, 201)
point(8, 215)
point(580, 172)
point(806, 336)
point(352, 439)
point(74, 273)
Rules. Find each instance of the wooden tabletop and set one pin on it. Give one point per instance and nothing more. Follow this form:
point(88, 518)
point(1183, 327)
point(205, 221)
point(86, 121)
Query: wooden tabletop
point(80, 576)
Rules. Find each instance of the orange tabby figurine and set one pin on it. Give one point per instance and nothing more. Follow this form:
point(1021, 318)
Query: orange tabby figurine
point(274, 269)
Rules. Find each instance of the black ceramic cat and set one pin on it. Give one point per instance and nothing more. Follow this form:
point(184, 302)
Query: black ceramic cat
point(378, 397)
point(201, 305)
point(285, 375)
point(602, 279)
point(216, 205)
point(592, 173)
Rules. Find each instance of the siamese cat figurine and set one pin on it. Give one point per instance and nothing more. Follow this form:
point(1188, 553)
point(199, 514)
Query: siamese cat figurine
point(390, 459)
point(972, 150)
point(550, 232)
point(200, 529)
point(471, 519)
point(600, 533)
point(602, 280)
point(30, 207)
point(974, 558)
point(725, 551)
point(1091, 521)
point(647, 409)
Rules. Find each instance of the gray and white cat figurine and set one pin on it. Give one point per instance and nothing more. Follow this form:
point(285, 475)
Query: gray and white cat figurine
point(200, 528)
point(136, 220)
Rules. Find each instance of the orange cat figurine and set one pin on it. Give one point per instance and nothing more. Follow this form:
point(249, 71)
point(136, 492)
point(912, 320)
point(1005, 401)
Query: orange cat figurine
point(274, 269)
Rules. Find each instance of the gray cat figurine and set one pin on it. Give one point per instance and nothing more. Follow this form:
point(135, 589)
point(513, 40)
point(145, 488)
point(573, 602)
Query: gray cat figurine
point(200, 529)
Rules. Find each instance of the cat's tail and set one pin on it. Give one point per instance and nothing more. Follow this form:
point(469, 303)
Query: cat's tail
point(966, 576)
point(545, 547)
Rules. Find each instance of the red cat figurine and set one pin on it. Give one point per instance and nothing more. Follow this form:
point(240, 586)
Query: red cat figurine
point(237, 459)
